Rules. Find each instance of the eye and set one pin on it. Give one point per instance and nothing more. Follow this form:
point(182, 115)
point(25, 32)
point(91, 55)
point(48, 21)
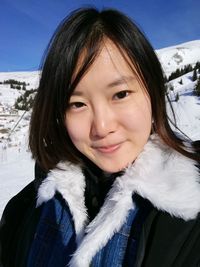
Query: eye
point(121, 94)
point(76, 105)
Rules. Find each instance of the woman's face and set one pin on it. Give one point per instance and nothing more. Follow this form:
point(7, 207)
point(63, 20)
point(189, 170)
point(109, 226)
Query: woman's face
point(109, 114)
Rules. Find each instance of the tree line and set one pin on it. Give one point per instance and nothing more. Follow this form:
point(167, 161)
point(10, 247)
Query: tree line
point(180, 72)
point(25, 101)
point(14, 84)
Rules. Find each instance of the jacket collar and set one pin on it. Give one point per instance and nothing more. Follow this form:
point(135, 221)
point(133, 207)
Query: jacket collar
point(166, 178)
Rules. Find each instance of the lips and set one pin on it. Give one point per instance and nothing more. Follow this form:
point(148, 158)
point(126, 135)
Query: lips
point(108, 149)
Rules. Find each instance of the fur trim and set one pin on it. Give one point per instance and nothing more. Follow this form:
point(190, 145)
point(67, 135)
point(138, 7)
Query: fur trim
point(68, 180)
point(166, 178)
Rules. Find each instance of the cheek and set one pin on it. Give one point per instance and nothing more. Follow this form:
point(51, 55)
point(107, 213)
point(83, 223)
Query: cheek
point(138, 117)
point(77, 130)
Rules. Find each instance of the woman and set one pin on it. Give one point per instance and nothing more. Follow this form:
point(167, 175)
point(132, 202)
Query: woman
point(114, 185)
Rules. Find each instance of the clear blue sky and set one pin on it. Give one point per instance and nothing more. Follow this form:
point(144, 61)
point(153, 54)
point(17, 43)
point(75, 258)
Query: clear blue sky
point(27, 25)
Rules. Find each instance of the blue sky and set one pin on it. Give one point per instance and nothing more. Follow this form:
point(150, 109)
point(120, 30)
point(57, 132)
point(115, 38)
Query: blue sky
point(27, 25)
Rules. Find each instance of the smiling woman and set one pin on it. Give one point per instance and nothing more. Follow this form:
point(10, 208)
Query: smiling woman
point(113, 110)
point(114, 185)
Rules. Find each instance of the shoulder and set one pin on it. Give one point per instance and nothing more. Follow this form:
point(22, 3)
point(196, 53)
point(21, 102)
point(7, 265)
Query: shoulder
point(16, 210)
point(181, 238)
point(19, 213)
point(17, 207)
point(20, 202)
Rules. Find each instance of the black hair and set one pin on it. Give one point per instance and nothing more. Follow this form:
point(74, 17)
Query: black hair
point(85, 30)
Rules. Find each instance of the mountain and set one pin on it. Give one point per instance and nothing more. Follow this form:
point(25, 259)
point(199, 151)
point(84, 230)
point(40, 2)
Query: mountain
point(31, 77)
point(178, 56)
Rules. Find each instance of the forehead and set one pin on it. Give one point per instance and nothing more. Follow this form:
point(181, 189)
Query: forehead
point(111, 55)
point(110, 63)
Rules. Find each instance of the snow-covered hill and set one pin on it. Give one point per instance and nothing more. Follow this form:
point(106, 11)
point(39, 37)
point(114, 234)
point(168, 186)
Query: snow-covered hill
point(187, 108)
point(31, 77)
point(15, 160)
point(178, 56)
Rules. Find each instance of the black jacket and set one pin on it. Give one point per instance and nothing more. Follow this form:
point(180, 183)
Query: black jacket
point(164, 240)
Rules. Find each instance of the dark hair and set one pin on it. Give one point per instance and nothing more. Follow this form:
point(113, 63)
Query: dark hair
point(84, 30)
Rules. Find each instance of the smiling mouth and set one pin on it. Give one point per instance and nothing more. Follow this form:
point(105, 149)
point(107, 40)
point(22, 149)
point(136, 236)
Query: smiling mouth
point(108, 149)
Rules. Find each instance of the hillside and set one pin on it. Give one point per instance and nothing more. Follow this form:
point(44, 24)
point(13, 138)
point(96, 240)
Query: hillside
point(178, 56)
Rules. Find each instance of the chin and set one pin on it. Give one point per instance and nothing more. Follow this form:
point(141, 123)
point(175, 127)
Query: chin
point(115, 169)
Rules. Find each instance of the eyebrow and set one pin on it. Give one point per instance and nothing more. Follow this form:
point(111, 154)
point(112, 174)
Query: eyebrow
point(121, 80)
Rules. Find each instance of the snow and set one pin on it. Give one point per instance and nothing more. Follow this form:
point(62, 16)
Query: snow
point(15, 160)
point(7, 95)
point(31, 77)
point(174, 57)
point(16, 171)
point(187, 109)
point(16, 164)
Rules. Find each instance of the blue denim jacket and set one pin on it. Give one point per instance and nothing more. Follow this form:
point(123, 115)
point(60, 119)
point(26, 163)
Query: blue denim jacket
point(55, 241)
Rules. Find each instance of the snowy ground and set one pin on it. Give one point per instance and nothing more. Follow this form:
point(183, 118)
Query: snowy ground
point(16, 171)
point(187, 109)
point(178, 56)
point(31, 77)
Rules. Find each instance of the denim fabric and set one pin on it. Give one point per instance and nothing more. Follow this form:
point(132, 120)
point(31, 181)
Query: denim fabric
point(112, 255)
point(54, 240)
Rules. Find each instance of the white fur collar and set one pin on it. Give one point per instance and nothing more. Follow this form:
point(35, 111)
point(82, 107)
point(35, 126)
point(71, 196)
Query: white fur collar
point(167, 179)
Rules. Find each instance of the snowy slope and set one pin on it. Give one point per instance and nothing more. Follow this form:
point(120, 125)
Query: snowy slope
point(174, 57)
point(187, 109)
point(17, 169)
point(16, 164)
point(8, 95)
point(31, 77)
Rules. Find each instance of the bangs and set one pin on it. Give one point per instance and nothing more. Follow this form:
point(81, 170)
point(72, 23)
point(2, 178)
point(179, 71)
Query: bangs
point(86, 58)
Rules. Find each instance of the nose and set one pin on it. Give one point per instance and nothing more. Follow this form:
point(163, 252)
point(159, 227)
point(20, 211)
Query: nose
point(104, 121)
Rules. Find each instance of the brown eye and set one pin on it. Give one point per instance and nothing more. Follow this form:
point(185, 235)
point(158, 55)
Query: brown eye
point(76, 105)
point(121, 94)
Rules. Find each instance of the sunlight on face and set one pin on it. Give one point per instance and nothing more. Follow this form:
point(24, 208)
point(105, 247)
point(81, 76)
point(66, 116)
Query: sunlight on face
point(109, 113)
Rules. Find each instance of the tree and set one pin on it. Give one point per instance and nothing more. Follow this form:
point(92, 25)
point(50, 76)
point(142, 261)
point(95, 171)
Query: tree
point(197, 65)
point(165, 78)
point(25, 101)
point(194, 76)
point(187, 68)
point(197, 88)
point(177, 97)
point(171, 88)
